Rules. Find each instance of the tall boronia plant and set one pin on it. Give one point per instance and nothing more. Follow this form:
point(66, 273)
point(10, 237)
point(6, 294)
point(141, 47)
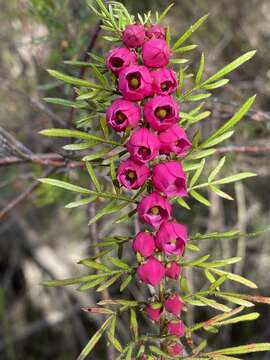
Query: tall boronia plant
point(138, 96)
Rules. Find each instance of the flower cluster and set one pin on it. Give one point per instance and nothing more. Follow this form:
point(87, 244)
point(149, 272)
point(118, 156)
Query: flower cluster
point(148, 112)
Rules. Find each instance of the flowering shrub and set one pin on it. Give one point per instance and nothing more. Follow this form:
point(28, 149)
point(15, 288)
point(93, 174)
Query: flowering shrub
point(155, 155)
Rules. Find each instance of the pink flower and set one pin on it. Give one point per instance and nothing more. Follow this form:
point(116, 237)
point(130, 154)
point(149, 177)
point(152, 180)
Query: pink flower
point(173, 270)
point(175, 349)
point(133, 36)
point(154, 209)
point(143, 145)
point(174, 304)
point(119, 58)
point(156, 31)
point(122, 114)
point(154, 311)
point(174, 140)
point(172, 238)
point(164, 81)
point(135, 82)
point(170, 179)
point(161, 112)
point(131, 175)
point(176, 328)
point(151, 272)
point(156, 53)
point(144, 244)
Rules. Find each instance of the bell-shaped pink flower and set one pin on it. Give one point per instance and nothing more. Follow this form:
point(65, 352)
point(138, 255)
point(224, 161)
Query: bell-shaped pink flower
point(175, 349)
point(135, 82)
point(173, 270)
point(156, 53)
point(119, 58)
point(123, 113)
point(144, 244)
point(174, 140)
point(174, 304)
point(170, 179)
point(143, 145)
point(164, 81)
point(132, 175)
point(154, 209)
point(154, 311)
point(151, 272)
point(176, 328)
point(133, 36)
point(156, 31)
point(161, 112)
point(172, 238)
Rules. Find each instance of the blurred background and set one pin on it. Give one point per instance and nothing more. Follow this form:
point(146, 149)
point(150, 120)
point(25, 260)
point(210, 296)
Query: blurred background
point(40, 239)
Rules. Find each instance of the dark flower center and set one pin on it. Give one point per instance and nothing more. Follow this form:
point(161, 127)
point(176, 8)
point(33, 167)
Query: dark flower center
point(134, 80)
point(163, 112)
point(144, 152)
point(166, 85)
point(131, 176)
point(120, 118)
point(117, 62)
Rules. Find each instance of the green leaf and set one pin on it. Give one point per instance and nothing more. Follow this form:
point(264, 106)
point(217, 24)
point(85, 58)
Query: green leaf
point(94, 265)
point(233, 178)
point(108, 283)
point(125, 283)
point(118, 263)
point(64, 102)
point(220, 193)
point(189, 32)
point(71, 79)
point(81, 202)
point(164, 13)
point(235, 119)
point(92, 284)
point(65, 185)
point(230, 67)
point(198, 97)
point(216, 84)
point(215, 285)
point(199, 154)
point(110, 208)
point(76, 134)
point(96, 155)
point(244, 349)
point(199, 198)
point(115, 343)
point(197, 174)
point(197, 261)
point(94, 340)
point(183, 203)
point(217, 140)
point(217, 169)
point(185, 48)
point(93, 176)
point(79, 146)
point(236, 300)
point(214, 304)
point(220, 263)
point(65, 282)
point(134, 323)
point(200, 71)
point(236, 278)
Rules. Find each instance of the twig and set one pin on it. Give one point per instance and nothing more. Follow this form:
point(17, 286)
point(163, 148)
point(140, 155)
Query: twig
point(244, 149)
point(27, 192)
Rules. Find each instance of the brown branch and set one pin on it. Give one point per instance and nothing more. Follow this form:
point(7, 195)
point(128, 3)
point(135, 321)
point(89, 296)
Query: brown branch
point(244, 149)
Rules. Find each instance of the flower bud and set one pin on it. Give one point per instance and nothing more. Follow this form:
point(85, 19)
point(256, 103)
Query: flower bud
point(175, 349)
point(154, 311)
point(135, 83)
point(133, 36)
point(144, 244)
point(174, 140)
point(156, 31)
point(131, 175)
point(170, 179)
point(119, 58)
point(123, 113)
point(176, 328)
point(164, 81)
point(172, 238)
point(161, 112)
point(174, 304)
point(143, 145)
point(173, 270)
point(151, 272)
point(156, 53)
point(154, 209)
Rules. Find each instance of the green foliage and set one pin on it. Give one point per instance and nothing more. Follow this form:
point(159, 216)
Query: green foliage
point(94, 97)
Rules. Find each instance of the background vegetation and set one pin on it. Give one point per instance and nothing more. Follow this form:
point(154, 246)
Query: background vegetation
point(40, 239)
